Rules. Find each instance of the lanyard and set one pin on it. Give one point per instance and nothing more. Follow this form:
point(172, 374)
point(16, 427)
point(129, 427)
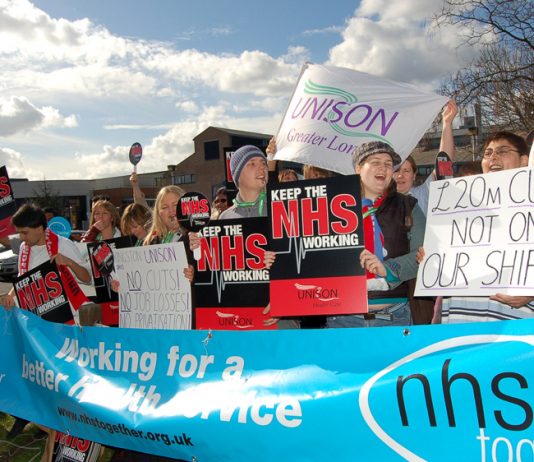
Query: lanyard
point(260, 201)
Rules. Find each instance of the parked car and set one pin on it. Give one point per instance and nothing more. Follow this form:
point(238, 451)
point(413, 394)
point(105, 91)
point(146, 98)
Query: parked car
point(8, 263)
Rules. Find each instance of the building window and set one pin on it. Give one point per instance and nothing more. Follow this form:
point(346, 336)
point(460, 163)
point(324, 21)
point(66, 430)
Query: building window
point(211, 150)
point(184, 179)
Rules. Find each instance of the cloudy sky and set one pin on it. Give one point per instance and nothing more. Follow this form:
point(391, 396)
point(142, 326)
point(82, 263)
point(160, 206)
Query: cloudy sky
point(82, 80)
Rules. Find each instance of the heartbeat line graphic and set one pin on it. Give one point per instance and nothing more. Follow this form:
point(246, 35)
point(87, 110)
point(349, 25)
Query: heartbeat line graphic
point(301, 251)
point(221, 284)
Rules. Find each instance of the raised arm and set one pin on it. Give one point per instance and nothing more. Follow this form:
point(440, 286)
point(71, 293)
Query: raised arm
point(447, 139)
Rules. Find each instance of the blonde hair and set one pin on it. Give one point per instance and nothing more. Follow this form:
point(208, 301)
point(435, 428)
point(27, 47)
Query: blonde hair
point(159, 228)
point(109, 207)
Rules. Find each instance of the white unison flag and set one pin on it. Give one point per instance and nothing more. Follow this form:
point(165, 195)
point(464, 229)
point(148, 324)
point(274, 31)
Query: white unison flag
point(334, 109)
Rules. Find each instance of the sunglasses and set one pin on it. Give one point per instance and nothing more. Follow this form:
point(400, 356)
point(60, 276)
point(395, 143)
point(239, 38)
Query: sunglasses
point(220, 200)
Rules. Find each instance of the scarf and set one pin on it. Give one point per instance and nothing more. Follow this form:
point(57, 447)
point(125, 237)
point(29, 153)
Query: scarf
point(373, 237)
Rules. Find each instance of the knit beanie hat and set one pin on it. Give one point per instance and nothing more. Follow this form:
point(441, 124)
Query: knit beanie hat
point(363, 151)
point(240, 158)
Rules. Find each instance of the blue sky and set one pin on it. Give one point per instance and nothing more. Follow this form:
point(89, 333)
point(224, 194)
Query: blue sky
point(82, 80)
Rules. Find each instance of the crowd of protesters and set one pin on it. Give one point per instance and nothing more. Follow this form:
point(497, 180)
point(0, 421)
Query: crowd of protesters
point(394, 215)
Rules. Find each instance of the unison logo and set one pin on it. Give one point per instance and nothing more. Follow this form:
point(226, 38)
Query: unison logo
point(312, 292)
point(468, 396)
point(342, 112)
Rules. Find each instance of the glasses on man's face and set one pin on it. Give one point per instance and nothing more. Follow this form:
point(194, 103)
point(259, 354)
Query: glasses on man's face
point(501, 151)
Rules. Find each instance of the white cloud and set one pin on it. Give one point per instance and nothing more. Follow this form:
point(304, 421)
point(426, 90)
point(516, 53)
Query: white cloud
point(18, 114)
point(324, 30)
point(15, 164)
point(79, 57)
point(172, 147)
point(393, 39)
point(187, 106)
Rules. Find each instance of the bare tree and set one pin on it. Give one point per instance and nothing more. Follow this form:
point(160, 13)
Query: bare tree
point(501, 78)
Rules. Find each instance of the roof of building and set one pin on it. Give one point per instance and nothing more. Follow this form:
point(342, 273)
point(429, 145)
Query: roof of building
point(231, 131)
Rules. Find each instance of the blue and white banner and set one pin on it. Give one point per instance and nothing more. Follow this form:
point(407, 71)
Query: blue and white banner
point(424, 393)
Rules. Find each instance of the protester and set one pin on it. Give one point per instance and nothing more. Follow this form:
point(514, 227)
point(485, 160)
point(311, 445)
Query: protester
point(135, 221)
point(104, 222)
point(502, 151)
point(469, 168)
point(39, 244)
point(393, 230)
point(221, 202)
point(50, 212)
point(249, 171)
point(165, 226)
point(407, 172)
point(311, 172)
point(286, 175)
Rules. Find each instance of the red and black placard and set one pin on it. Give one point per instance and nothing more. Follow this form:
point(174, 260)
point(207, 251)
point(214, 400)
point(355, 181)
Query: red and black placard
point(68, 448)
point(316, 230)
point(229, 180)
point(102, 266)
point(444, 166)
point(7, 204)
point(231, 282)
point(41, 291)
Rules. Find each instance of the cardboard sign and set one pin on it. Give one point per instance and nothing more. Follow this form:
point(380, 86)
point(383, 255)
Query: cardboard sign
point(102, 266)
point(193, 212)
point(231, 281)
point(317, 234)
point(444, 166)
point(7, 204)
point(135, 153)
point(479, 236)
point(333, 110)
point(153, 293)
point(68, 448)
point(41, 291)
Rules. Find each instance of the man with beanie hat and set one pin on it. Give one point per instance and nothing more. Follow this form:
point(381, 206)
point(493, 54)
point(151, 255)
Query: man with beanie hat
point(249, 170)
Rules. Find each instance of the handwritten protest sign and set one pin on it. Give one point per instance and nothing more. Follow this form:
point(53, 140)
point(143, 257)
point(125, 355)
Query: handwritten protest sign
point(232, 283)
point(153, 293)
point(480, 236)
point(334, 109)
point(317, 234)
point(7, 204)
point(41, 291)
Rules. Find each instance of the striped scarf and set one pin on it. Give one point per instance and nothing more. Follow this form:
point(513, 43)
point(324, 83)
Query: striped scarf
point(372, 234)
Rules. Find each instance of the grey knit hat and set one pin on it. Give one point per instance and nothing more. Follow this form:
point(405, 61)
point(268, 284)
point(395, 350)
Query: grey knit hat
point(240, 158)
point(363, 151)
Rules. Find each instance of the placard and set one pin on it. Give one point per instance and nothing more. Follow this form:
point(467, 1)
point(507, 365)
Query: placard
point(8, 206)
point(153, 291)
point(231, 282)
point(316, 230)
point(102, 266)
point(479, 236)
point(41, 291)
